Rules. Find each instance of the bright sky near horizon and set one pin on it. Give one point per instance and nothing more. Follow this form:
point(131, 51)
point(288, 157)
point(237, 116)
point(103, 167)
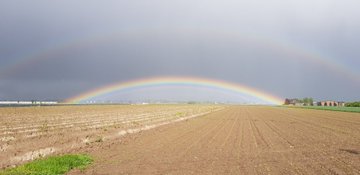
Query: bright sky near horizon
point(286, 48)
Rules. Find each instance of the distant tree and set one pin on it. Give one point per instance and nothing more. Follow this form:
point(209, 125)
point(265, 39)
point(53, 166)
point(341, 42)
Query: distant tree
point(304, 100)
point(311, 101)
point(308, 101)
point(353, 104)
point(287, 101)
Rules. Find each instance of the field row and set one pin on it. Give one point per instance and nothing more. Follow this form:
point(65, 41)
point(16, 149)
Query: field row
point(241, 140)
point(30, 132)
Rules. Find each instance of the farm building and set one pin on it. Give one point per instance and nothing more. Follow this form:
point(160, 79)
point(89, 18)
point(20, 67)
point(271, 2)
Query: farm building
point(28, 102)
point(331, 103)
point(15, 102)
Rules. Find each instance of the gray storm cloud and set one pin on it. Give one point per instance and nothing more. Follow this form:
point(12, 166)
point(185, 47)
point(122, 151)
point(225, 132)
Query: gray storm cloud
point(71, 47)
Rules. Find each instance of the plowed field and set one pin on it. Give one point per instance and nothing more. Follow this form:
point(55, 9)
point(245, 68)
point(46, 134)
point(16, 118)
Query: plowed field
point(239, 140)
point(27, 133)
point(186, 139)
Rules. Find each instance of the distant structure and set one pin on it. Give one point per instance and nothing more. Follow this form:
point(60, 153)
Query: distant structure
point(294, 102)
point(28, 103)
point(299, 102)
point(331, 103)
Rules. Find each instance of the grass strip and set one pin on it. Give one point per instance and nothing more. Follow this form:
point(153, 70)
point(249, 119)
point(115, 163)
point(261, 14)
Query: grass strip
point(54, 165)
point(328, 108)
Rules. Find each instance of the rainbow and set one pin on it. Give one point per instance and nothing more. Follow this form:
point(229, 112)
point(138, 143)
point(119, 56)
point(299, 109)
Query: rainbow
point(295, 52)
point(189, 81)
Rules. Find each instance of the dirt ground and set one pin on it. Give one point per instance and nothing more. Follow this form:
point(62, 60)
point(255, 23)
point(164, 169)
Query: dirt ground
point(185, 139)
point(238, 140)
point(27, 133)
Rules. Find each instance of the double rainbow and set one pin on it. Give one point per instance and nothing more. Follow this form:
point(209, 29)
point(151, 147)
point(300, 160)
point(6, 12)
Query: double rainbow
point(296, 52)
point(186, 81)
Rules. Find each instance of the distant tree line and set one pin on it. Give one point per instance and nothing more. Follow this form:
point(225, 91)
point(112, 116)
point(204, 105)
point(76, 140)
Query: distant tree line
point(308, 101)
point(353, 104)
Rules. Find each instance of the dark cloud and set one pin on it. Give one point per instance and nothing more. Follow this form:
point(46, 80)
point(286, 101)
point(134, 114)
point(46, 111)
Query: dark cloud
point(93, 44)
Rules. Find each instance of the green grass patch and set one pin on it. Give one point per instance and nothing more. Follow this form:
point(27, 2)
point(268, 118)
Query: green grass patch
point(329, 108)
point(54, 165)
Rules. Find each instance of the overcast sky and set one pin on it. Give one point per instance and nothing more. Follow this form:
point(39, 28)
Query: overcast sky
point(288, 48)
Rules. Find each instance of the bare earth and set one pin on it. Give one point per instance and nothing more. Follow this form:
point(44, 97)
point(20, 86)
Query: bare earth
point(27, 133)
point(239, 140)
point(185, 139)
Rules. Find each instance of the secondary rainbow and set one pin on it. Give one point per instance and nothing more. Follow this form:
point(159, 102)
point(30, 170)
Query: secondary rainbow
point(189, 81)
point(296, 52)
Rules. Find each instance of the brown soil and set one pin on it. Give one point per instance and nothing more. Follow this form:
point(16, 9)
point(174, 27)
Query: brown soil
point(27, 133)
point(174, 139)
point(238, 140)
